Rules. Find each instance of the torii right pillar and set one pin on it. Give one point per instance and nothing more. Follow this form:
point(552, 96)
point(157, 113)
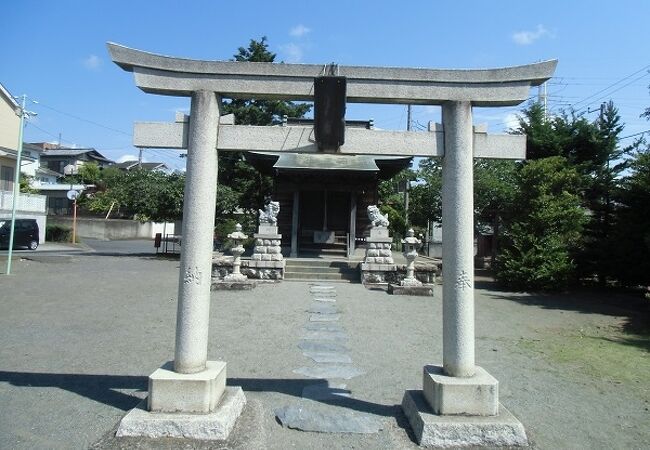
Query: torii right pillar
point(463, 397)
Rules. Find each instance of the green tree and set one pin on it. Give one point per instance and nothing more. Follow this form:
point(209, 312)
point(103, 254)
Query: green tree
point(631, 253)
point(88, 173)
point(601, 165)
point(425, 202)
point(392, 201)
point(139, 194)
point(26, 184)
point(495, 186)
point(251, 187)
point(543, 228)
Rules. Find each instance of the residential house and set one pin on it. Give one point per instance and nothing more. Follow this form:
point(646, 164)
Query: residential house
point(9, 127)
point(28, 206)
point(68, 160)
point(151, 166)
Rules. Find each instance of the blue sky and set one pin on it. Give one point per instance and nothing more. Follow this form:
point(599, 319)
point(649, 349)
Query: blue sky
point(55, 52)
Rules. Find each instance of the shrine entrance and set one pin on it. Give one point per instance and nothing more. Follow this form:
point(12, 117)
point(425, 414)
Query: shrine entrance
point(324, 222)
point(323, 198)
point(459, 403)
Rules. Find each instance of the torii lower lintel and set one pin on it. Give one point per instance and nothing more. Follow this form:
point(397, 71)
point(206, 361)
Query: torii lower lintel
point(299, 139)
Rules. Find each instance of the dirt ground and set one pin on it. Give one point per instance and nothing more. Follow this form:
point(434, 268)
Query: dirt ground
point(80, 334)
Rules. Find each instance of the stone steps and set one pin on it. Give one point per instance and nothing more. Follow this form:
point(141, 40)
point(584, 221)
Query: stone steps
point(315, 270)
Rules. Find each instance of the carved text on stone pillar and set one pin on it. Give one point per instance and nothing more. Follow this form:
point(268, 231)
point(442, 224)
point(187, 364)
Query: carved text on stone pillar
point(192, 276)
point(463, 281)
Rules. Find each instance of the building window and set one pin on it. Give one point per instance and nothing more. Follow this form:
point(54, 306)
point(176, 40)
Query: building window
point(6, 178)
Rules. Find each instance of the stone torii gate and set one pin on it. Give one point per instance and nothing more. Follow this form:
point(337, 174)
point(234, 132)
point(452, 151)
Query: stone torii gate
point(459, 401)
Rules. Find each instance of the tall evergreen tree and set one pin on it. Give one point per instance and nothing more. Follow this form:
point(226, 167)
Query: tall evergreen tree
point(601, 164)
point(251, 187)
point(631, 255)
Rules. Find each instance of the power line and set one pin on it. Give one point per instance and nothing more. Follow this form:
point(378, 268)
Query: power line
point(614, 84)
point(92, 122)
point(635, 134)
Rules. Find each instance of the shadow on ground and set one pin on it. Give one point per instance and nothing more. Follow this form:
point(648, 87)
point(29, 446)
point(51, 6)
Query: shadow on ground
point(105, 389)
point(633, 308)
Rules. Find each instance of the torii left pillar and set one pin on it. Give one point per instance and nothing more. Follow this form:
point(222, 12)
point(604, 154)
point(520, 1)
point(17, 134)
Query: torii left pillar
point(188, 397)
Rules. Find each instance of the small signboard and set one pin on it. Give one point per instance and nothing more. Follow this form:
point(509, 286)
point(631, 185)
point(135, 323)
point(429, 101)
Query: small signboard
point(72, 194)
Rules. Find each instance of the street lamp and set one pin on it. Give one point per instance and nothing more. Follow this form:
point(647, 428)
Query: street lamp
point(23, 115)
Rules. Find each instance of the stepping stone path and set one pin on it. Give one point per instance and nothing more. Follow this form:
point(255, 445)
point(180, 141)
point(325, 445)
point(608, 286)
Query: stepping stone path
point(323, 343)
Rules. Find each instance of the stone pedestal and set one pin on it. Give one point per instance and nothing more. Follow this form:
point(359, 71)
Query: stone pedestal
point(267, 244)
point(213, 426)
point(444, 431)
point(189, 393)
point(422, 290)
point(196, 405)
point(378, 266)
point(267, 262)
point(477, 395)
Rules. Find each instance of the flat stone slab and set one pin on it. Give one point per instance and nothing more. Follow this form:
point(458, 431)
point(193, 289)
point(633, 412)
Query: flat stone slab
point(318, 417)
point(433, 430)
point(324, 317)
point(325, 335)
point(322, 287)
point(233, 285)
point(325, 299)
point(320, 346)
point(329, 357)
point(326, 371)
point(323, 326)
point(322, 290)
point(426, 290)
point(320, 308)
point(324, 391)
point(213, 426)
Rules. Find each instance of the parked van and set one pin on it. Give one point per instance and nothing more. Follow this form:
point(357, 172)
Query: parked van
point(25, 233)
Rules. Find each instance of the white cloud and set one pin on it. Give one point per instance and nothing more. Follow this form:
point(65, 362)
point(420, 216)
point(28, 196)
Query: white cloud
point(528, 37)
point(299, 31)
point(293, 52)
point(124, 158)
point(92, 62)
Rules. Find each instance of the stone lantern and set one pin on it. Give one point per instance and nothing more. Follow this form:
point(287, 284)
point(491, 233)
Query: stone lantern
point(411, 246)
point(410, 285)
point(238, 238)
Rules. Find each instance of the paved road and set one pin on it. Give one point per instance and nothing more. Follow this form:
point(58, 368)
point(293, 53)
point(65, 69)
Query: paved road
point(124, 247)
point(127, 247)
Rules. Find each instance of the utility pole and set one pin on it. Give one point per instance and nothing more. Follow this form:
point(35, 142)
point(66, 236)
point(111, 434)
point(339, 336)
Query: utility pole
point(406, 184)
point(542, 98)
point(408, 118)
point(16, 191)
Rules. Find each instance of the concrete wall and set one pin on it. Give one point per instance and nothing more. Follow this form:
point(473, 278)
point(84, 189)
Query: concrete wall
point(112, 229)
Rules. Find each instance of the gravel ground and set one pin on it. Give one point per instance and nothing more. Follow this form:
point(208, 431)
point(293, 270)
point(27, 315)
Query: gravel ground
point(80, 334)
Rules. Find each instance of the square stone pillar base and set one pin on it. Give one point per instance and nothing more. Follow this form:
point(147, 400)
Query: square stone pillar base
point(214, 426)
point(186, 392)
point(197, 405)
point(473, 396)
point(433, 430)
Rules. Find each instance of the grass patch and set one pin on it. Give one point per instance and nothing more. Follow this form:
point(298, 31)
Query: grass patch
point(605, 353)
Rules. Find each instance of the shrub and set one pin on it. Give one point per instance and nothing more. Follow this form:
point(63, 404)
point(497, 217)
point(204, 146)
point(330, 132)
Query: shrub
point(58, 233)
